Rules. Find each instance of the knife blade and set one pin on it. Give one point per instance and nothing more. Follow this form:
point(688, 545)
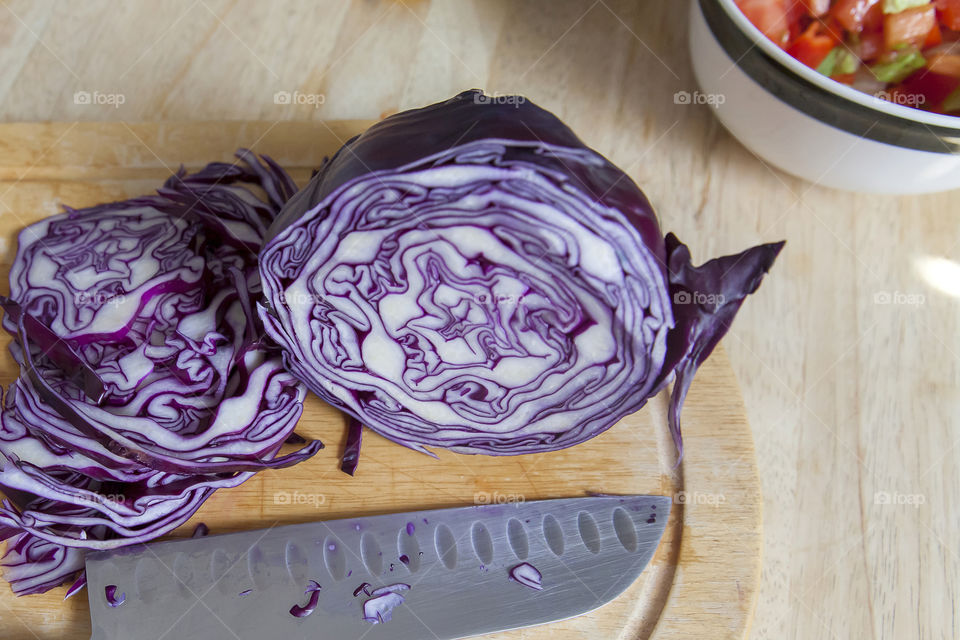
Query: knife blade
point(456, 562)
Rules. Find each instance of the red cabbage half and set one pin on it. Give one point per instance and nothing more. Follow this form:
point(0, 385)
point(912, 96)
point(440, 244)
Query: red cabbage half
point(145, 384)
point(471, 276)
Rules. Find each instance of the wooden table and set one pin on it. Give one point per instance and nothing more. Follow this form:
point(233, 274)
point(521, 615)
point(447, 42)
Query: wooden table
point(847, 355)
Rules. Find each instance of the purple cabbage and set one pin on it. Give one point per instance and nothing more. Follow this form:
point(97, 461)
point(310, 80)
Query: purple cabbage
point(145, 382)
point(379, 607)
point(313, 590)
point(78, 585)
point(351, 450)
point(527, 575)
point(471, 276)
point(33, 565)
point(114, 600)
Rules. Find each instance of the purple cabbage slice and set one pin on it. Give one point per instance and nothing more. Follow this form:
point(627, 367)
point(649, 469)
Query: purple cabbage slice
point(379, 607)
point(313, 589)
point(351, 452)
point(146, 383)
point(32, 565)
point(390, 588)
point(471, 276)
point(77, 585)
point(527, 575)
point(114, 600)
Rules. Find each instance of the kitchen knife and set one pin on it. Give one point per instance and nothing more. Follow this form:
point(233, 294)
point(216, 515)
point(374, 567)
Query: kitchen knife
point(456, 562)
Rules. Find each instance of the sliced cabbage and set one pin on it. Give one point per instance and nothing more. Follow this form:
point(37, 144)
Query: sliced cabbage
point(471, 276)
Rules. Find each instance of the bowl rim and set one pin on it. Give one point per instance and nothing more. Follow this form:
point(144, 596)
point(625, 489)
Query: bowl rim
point(760, 40)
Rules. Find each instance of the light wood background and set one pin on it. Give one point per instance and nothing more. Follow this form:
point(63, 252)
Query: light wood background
point(853, 399)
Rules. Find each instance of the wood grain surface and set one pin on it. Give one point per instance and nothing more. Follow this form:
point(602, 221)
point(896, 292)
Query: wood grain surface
point(847, 355)
point(705, 573)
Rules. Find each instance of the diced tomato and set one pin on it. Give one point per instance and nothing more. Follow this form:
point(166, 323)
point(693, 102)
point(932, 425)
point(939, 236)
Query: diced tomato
point(949, 11)
point(924, 89)
point(770, 16)
point(945, 64)
point(816, 8)
point(871, 45)
point(810, 29)
point(852, 13)
point(909, 26)
point(834, 29)
point(873, 20)
point(812, 47)
point(934, 38)
point(798, 19)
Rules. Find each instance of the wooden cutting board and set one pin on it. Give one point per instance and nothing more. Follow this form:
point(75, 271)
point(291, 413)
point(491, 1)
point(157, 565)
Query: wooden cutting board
point(703, 579)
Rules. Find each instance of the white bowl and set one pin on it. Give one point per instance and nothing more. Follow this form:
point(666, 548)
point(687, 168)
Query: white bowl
point(808, 125)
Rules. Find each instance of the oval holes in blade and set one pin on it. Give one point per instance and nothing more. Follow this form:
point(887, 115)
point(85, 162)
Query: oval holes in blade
point(334, 558)
point(257, 567)
point(482, 543)
point(408, 549)
point(296, 561)
point(372, 554)
point(553, 534)
point(145, 577)
point(517, 536)
point(589, 532)
point(183, 572)
point(626, 532)
point(446, 546)
point(219, 565)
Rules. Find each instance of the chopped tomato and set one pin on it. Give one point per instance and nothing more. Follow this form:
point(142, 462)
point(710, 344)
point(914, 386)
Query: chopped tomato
point(798, 19)
point(924, 89)
point(852, 13)
point(945, 64)
point(873, 21)
point(901, 48)
point(908, 27)
point(949, 11)
point(871, 45)
point(770, 16)
point(832, 28)
point(812, 47)
point(816, 8)
point(934, 38)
